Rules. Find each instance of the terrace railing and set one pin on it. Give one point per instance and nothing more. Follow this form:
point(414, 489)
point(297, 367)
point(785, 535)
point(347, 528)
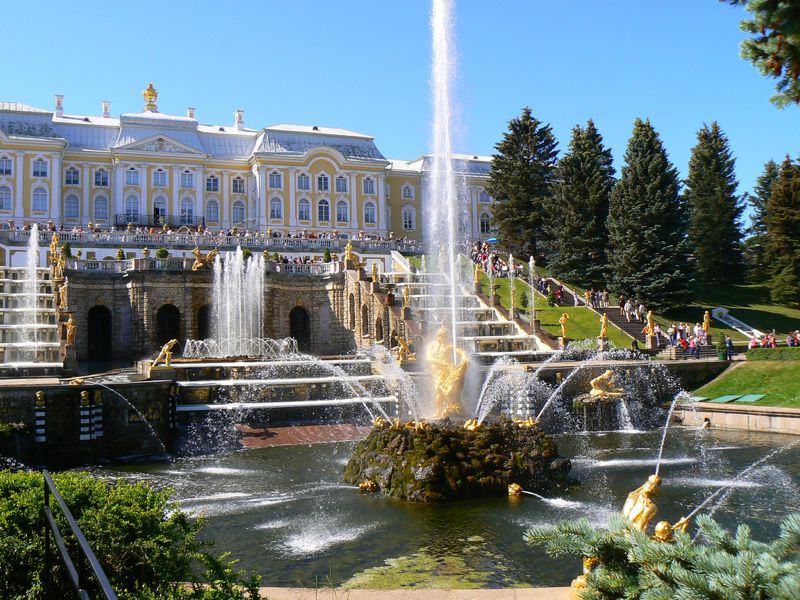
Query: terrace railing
point(183, 264)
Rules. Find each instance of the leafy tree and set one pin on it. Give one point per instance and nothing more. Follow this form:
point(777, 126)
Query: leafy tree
point(754, 245)
point(774, 48)
point(647, 247)
point(576, 219)
point(782, 248)
point(522, 179)
point(631, 565)
point(714, 209)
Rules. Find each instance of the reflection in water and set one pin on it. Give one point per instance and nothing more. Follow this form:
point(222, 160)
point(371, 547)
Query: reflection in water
point(284, 512)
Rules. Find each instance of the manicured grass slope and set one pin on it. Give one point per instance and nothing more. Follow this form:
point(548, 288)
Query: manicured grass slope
point(777, 379)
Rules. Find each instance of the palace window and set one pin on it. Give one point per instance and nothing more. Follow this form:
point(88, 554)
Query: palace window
point(132, 209)
point(160, 210)
point(341, 185)
point(187, 211)
point(212, 211)
point(159, 178)
point(303, 182)
point(132, 176)
point(323, 211)
point(275, 208)
point(5, 198)
point(101, 178)
point(72, 177)
point(71, 207)
point(408, 192)
point(409, 218)
point(342, 212)
point(238, 185)
point(238, 212)
point(39, 168)
point(485, 223)
point(39, 200)
point(101, 208)
point(275, 180)
point(369, 186)
point(304, 210)
point(323, 185)
point(5, 166)
point(369, 213)
point(187, 179)
point(212, 183)
point(483, 196)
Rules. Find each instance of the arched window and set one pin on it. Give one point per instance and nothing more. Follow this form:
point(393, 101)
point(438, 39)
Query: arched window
point(101, 178)
point(39, 200)
point(159, 178)
point(342, 212)
point(276, 208)
point(71, 207)
point(132, 209)
point(323, 211)
point(72, 177)
point(101, 208)
point(187, 179)
point(323, 184)
point(132, 176)
point(408, 192)
point(369, 185)
point(369, 213)
point(485, 223)
point(275, 180)
point(341, 184)
point(303, 182)
point(238, 212)
point(40, 168)
point(212, 211)
point(5, 198)
point(304, 210)
point(187, 211)
point(409, 218)
point(238, 185)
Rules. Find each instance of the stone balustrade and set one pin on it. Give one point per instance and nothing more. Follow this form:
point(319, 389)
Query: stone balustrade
point(185, 264)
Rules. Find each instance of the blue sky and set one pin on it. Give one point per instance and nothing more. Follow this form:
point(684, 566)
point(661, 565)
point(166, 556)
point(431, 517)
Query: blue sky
point(365, 66)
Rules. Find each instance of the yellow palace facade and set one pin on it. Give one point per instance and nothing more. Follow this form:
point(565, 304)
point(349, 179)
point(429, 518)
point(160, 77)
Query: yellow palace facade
point(152, 169)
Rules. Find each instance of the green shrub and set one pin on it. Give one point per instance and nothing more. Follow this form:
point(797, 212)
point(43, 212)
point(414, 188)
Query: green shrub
point(246, 253)
point(147, 549)
point(787, 353)
point(162, 253)
point(66, 250)
point(326, 257)
point(276, 257)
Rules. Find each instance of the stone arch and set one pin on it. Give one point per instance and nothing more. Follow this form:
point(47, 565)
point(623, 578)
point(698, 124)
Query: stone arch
point(378, 329)
point(352, 311)
point(99, 333)
point(300, 327)
point(364, 320)
point(393, 339)
point(168, 325)
point(204, 322)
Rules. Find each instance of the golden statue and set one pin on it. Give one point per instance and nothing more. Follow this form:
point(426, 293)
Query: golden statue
point(476, 276)
point(166, 354)
point(639, 508)
point(579, 583)
point(70, 331)
point(706, 322)
point(374, 272)
point(563, 320)
point(514, 489)
point(406, 298)
point(651, 326)
point(525, 423)
point(404, 353)
point(54, 247)
point(368, 486)
point(39, 398)
point(84, 398)
point(348, 250)
point(62, 294)
point(471, 424)
point(448, 378)
point(150, 96)
point(604, 326)
point(663, 531)
point(200, 261)
point(603, 387)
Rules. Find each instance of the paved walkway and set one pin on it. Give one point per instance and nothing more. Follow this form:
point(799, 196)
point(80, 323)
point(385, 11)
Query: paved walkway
point(274, 593)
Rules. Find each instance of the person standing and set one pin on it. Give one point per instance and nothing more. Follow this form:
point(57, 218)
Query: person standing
point(729, 347)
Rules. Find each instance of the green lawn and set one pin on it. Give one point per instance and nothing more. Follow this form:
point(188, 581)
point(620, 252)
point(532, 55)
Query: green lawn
point(777, 379)
point(583, 323)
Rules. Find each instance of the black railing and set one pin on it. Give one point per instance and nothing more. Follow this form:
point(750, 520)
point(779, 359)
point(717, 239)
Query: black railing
point(173, 221)
point(77, 574)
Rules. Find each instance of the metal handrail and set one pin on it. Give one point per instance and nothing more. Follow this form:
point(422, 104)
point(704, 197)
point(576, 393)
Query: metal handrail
point(77, 575)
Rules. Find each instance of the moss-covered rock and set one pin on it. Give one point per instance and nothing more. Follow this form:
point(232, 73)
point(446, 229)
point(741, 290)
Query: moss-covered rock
point(445, 461)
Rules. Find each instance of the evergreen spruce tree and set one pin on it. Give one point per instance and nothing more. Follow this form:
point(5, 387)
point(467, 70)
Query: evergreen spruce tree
point(714, 208)
point(782, 247)
point(754, 244)
point(576, 217)
point(647, 245)
point(522, 179)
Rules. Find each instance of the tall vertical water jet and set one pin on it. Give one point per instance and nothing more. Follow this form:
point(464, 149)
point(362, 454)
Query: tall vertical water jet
point(29, 300)
point(238, 302)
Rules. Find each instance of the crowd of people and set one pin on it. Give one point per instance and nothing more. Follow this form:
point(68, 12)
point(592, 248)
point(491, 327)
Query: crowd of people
point(491, 263)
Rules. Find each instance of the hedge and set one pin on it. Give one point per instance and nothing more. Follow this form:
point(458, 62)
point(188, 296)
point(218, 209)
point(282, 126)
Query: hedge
point(787, 353)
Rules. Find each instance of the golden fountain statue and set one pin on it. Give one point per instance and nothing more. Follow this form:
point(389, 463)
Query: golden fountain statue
point(54, 247)
point(201, 261)
point(563, 321)
point(404, 352)
point(165, 354)
point(604, 388)
point(448, 377)
point(348, 250)
point(374, 272)
point(476, 276)
point(640, 509)
point(706, 322)
point(604, 326)
point(71, 329)
point(406, 298)
point(651, 326)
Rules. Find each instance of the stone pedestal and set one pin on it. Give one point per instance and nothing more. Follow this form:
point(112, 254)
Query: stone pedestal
point(70, 359)
point(375, 287)
point(389, 299)
point(406, 314)
point(160, 373)
point(536, 324)
point(562, 342)
point(350, 265)
point(710, 340)
point(602, 344)
point(650, 342)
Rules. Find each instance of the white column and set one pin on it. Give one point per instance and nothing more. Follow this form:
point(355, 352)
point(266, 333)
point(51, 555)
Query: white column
point(87, 186)
point(225, 208)
point(19, 211)
point(258, 193)
point(476, 226)
point(55, 201)
point(176, 188)
point(199, 204)
point(117, 204)
point(143, 206)
point(381, 204)
point(292, 208)
point(353, 203)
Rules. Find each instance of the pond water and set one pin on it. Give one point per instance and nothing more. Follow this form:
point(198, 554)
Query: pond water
point(285, 513)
